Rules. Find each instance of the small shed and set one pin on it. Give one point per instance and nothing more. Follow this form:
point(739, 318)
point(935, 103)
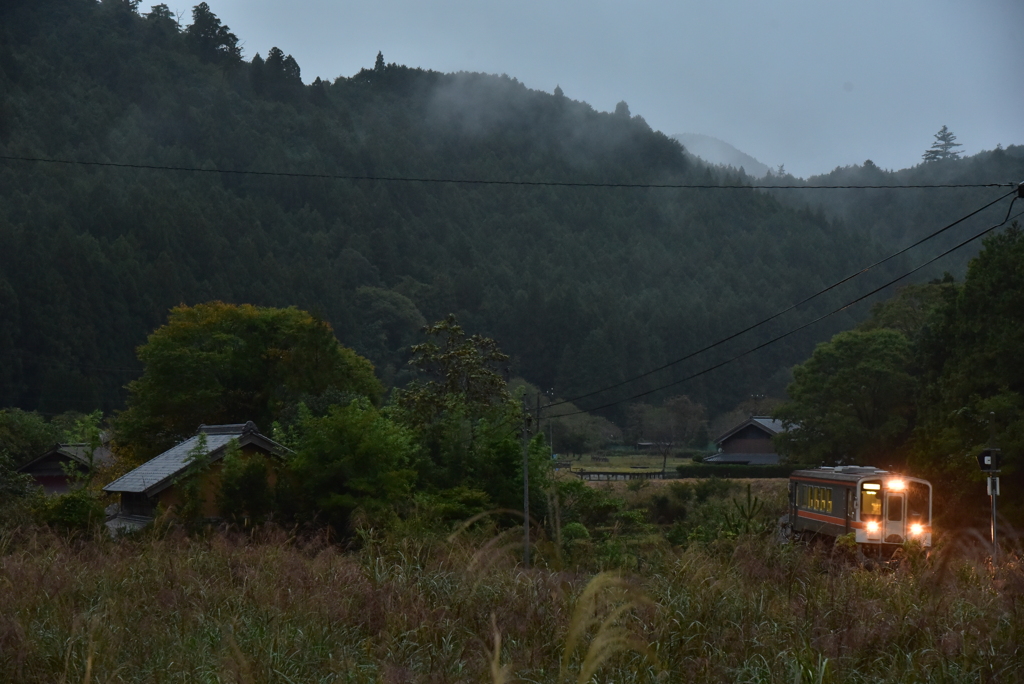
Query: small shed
point(155, 482)
point(56, 470)
point(749, 443)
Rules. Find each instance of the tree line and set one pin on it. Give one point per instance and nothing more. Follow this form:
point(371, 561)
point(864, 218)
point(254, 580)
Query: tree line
point(931, 378)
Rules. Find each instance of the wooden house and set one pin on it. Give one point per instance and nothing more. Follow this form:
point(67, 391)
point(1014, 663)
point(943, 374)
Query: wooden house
point(57, 470)
point(157, 482)
point(749, 443)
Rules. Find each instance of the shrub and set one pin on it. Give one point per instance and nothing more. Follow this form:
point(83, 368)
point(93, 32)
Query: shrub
point(76, 511)
point(712, 488)
point(575, 530)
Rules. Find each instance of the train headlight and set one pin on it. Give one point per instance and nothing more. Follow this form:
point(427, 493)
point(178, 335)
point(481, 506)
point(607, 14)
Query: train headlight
point(872, 526)
point(897, 485)
point(916, 528)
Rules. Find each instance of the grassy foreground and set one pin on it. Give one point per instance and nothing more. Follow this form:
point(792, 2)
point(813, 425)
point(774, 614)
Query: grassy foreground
point(267, 607)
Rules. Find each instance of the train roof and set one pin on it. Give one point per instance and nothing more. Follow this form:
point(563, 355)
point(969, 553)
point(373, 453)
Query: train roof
point(840, 473)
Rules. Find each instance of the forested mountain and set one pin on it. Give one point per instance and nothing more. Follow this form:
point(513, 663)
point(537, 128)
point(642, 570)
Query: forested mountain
point(902, 215)
point(582, 286)
point(718, 152)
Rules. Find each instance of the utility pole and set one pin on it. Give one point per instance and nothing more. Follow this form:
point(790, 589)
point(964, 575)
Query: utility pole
point(526, 483)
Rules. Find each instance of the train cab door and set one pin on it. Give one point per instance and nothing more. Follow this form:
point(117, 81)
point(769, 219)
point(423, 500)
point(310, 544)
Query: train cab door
point(895, 517)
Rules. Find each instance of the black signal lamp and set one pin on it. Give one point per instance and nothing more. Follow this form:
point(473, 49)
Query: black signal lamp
point(989, 460)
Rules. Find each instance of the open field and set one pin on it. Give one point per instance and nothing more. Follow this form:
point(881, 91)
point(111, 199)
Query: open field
point(766, 488)
point(272, 607)
point(627, 461)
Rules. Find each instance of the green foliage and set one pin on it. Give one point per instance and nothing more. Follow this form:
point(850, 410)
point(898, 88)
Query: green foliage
point(851, 402)
point(748, 516)
point(12, 483)
point(443, 508)
point(190, 483)
point(354, 457)
point(25, 435)
point(912, 309)
point(973, 378)
point(79, 510)
point(245, 493)
point(464, 417)
point(210, 39)
point(712, 487)
point(671, 506)
point(218, 363)
point(589, 506)
point(460, 370)
point(573, 531)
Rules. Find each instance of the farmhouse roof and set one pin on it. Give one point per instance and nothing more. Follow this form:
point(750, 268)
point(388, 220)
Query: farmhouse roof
point(770, 425)
point(160, 472)
point(77, 452)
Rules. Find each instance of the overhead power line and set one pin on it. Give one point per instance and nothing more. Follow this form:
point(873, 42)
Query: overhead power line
point(801, 327)
point(803, 301)
point(478, 181)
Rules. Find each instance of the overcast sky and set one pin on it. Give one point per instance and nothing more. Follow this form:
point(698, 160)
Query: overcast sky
point(811, 84)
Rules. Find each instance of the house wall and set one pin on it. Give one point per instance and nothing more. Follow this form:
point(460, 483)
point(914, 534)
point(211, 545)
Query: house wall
point(49, 474)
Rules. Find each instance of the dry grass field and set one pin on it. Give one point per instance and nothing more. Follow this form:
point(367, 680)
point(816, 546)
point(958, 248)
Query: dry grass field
point(275, 606)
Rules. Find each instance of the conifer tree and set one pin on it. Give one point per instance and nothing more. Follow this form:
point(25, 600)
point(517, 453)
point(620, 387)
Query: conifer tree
point(943, 146)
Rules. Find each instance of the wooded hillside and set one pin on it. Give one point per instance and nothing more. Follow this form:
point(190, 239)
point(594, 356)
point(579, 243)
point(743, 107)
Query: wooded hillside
point(582, 286)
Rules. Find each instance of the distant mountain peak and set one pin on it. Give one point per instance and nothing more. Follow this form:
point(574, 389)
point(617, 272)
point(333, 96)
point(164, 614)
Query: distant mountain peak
point(715, 151)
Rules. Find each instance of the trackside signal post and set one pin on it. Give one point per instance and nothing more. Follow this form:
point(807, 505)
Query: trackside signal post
point(989, 459)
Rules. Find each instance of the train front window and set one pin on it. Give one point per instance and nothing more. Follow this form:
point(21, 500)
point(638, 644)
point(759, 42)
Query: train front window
point(895, 508)
point(917, 503)
point(870, 500)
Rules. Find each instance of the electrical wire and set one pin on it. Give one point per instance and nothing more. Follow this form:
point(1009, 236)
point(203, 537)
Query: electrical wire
point(803, 301)
point(801, 327)
point(472, 181)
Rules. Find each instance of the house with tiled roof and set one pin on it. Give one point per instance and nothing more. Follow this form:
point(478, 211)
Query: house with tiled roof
point(157, 481)
point(57, 469)
point(749, 443)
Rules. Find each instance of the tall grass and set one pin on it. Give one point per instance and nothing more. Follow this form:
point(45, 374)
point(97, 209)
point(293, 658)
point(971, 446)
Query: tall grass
point(271, 607)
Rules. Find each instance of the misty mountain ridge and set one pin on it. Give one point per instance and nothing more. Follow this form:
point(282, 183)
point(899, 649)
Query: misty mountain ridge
point(582, 284)
point(720, 153)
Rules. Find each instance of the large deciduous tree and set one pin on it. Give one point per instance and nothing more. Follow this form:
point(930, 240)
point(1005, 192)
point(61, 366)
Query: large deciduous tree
point(851, 402)
point(463, 413)
point(219, 363)
point(354, 457)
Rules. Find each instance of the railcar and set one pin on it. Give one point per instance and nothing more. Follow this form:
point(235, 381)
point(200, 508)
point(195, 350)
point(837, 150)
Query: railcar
point(883, 509)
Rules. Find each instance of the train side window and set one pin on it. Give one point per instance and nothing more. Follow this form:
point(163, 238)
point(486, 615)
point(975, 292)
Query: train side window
point(828, 500)
point(917, 503)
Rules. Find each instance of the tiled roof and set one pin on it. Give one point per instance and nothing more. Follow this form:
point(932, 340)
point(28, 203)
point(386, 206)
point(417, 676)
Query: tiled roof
point(159, 472)
point(772, 424)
